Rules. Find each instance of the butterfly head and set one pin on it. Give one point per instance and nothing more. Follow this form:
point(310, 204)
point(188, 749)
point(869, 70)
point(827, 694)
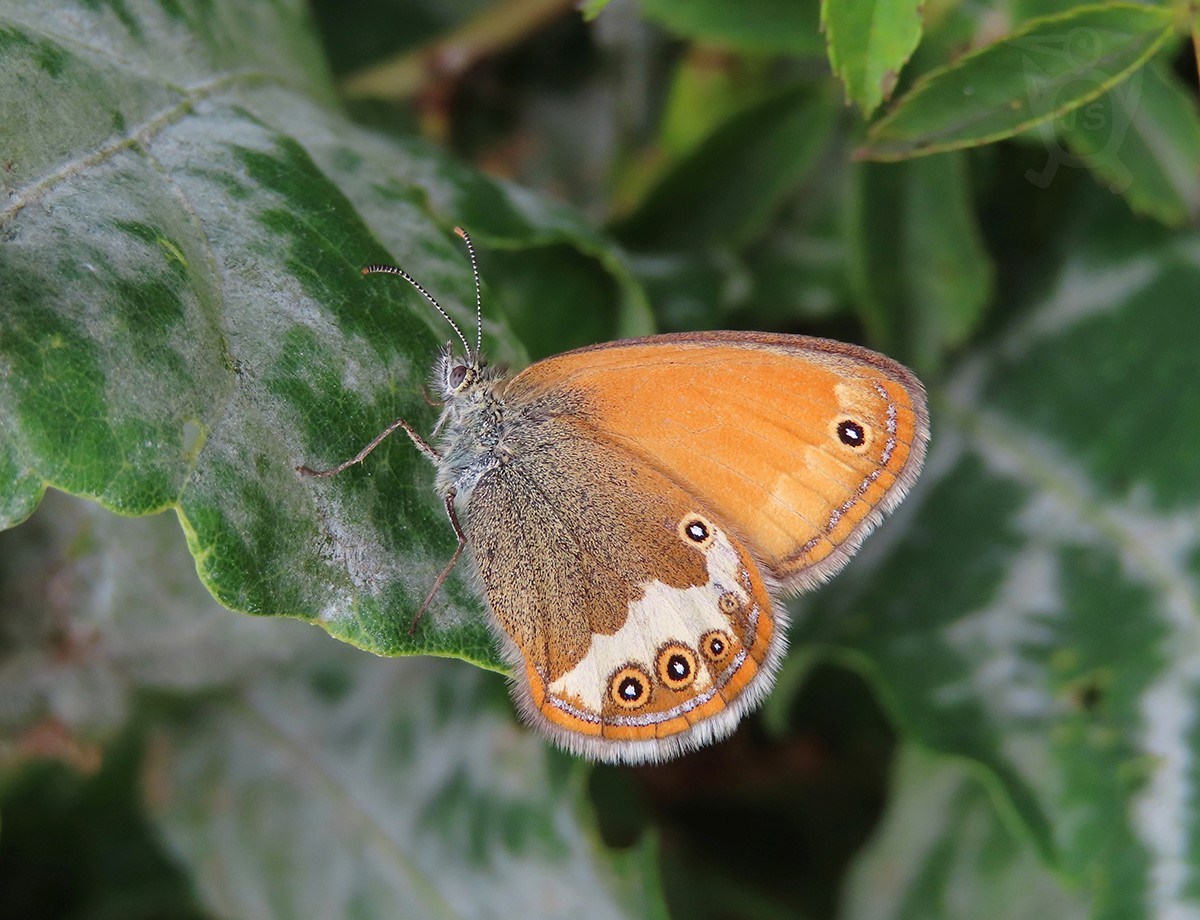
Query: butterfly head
point(454, 375)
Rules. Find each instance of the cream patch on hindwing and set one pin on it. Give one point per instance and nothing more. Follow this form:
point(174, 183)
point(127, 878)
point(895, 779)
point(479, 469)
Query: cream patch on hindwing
point(664, 616)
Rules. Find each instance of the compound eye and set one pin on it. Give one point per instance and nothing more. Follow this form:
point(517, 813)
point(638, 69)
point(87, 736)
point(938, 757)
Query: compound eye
point(458, 374)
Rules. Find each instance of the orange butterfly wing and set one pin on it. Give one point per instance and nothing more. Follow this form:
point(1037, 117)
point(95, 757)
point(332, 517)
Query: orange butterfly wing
point(798, 445)
point(642, 627)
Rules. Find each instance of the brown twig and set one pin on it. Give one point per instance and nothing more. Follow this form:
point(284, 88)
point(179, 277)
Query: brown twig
point(499, 26)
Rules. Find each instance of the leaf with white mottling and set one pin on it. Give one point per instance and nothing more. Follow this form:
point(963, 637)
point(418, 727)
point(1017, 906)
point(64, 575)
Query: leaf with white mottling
point(183, 321)
point(943, 852)
point(1039, 608)
point(97, 609)
point(294, 776)
point(360, 787)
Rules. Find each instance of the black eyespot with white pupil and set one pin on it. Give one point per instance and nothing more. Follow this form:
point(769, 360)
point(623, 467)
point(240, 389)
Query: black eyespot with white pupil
point(696, 530)
point(629, 687)
point(851, 433)
point(676, 665)
point(716, 645)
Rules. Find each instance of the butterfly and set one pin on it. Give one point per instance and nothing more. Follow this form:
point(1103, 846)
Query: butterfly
point(636, 509)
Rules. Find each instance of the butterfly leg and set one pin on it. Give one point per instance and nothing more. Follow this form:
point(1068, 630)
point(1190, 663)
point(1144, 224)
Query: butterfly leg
point(420, 442)
point(441, 579)
point(429, 400)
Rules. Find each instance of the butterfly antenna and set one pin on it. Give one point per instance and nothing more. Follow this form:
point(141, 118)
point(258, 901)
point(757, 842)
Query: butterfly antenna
point(393, 270)
point(478, 297)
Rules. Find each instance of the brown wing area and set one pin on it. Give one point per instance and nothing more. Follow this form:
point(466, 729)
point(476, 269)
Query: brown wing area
point(636, 617)
point(800, 445)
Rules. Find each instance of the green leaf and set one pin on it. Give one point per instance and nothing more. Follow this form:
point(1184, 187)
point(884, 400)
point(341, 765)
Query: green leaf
point(593, 8)
point(754, 26)
point(731, 184)
point(1021, 11)
point(869, 44)
point(291, 775)
point(1044, 70)
point(22, 489)
point(77, 843)
point(1142, 139)
point(796, 271)
point(918, 264)
point(707, 89)
point(99, 608)
point(1037, 609)
point(944, 852)
point(184, 322)
point(364, 788)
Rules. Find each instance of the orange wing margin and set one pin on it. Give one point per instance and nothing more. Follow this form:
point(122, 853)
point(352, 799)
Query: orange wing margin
point(800, 445)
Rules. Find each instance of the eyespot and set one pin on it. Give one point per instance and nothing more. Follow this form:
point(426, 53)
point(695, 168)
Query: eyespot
point(851, 433)
point(676, 665)
point(630, 687)
point(458, 374)
point(716, 646)
point(697, 530)
point(729, 603)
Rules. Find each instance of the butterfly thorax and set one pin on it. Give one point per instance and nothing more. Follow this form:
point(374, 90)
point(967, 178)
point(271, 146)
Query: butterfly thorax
point(473, 429)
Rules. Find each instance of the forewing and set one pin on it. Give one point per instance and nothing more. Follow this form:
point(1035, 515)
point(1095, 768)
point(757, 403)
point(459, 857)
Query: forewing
point(799, 446)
